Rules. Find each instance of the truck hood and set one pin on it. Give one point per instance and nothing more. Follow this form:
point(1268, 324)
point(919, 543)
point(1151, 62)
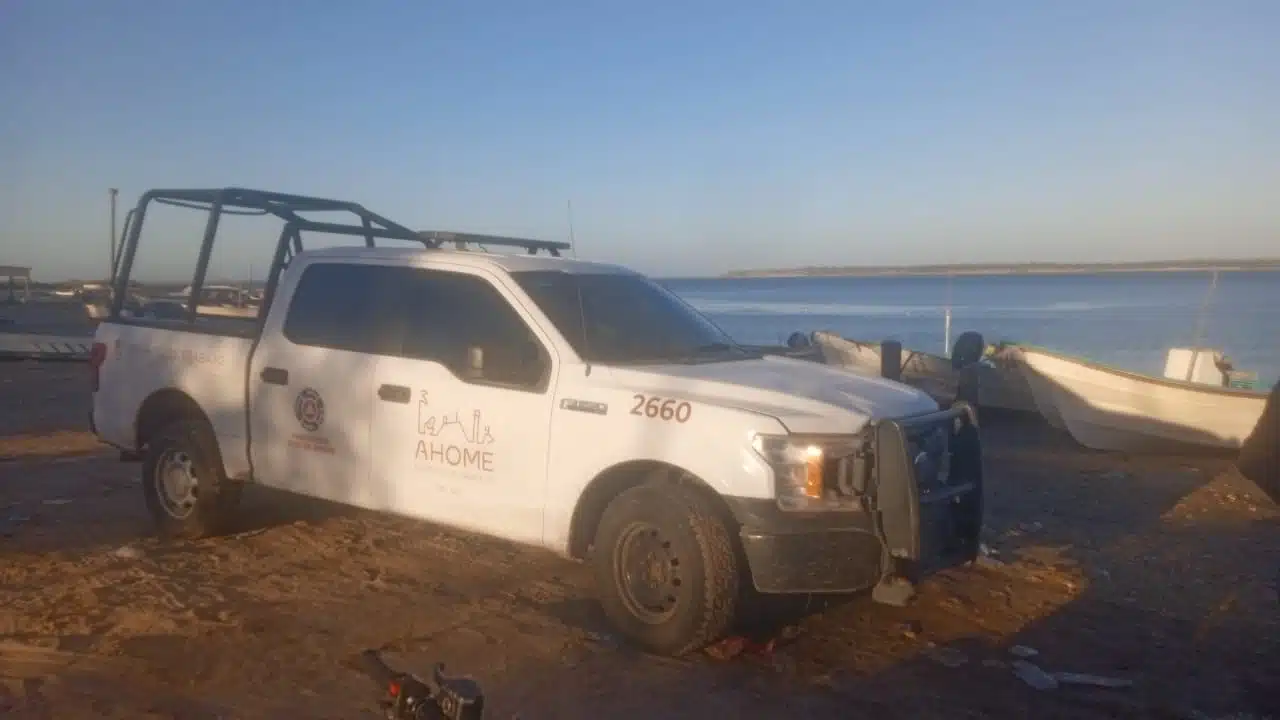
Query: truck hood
point(806, 397)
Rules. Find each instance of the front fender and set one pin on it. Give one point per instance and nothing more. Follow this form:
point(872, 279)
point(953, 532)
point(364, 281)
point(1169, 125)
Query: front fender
point(713, 443)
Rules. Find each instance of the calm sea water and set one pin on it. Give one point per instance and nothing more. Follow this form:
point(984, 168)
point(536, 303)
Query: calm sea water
point(1129, 320)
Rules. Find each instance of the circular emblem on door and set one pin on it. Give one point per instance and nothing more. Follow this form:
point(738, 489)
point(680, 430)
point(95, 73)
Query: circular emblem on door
point(309, 408)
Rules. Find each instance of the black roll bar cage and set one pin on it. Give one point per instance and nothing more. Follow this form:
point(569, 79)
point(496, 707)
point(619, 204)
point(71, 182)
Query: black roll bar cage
point(242, 201)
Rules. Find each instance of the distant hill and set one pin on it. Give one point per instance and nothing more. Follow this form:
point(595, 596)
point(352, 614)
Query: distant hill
point(1013, 268)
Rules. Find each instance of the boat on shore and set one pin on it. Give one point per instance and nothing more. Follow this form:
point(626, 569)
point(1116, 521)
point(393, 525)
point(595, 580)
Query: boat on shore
point(220, 301)
point(1108, 408)
point(1000, 381)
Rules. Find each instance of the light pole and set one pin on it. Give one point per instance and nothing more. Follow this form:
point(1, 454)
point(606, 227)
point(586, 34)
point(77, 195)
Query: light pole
point(111, 271)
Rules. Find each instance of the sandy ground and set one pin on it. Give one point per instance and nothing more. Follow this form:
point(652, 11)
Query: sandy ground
point(1154, 571)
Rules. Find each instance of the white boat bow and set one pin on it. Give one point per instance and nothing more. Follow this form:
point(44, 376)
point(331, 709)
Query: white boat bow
point(1106, 408)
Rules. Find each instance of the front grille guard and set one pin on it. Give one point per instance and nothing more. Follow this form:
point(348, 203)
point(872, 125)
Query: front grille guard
point(934, 520)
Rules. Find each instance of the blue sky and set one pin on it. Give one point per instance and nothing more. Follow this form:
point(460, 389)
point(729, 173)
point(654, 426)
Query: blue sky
point(692, 137)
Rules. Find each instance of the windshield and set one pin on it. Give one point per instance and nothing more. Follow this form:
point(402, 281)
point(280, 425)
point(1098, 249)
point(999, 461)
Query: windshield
point(623, 318)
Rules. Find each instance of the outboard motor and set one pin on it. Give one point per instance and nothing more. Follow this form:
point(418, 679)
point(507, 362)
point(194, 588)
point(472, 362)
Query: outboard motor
point(968, 349)
point(798, 340)
point(965, 357)
point(891, 360)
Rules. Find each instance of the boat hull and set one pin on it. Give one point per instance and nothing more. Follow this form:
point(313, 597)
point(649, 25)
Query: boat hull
point(1111, 409)
point(1000, 384)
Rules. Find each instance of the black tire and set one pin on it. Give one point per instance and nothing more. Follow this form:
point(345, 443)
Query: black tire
point(214, 499)
point(699, 590)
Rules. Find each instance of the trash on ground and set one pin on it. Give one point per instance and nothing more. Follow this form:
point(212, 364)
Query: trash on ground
point(1032, 675)
point(727, 648)
point(736, 645)
point(989, 562)
point(604, 639)
point(1198, 715)
point(762, 648)
point(825, 680)
point(1070, 678)
point(948, 657)
point(783, 663)
point(128, 552)
point(9, 524)
point(789, 633)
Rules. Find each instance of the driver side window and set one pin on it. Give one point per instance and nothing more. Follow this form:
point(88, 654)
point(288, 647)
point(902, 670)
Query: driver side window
point(462, 322)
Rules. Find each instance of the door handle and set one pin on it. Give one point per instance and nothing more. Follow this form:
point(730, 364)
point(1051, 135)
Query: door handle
point(394, 393)
point(274, 375)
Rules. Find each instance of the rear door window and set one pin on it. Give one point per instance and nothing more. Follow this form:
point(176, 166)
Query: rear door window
point(345, 307)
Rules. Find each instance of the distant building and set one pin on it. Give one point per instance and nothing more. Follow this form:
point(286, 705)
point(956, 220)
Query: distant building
point(13, 272)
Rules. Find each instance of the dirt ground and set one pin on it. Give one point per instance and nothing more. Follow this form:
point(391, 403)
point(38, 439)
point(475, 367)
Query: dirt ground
point(1156, 572)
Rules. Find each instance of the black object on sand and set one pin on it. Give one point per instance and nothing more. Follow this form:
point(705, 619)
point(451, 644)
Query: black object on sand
point(1259, 458)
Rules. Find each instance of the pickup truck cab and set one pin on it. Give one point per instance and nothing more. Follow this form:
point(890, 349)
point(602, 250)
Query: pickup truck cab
point(570, 405)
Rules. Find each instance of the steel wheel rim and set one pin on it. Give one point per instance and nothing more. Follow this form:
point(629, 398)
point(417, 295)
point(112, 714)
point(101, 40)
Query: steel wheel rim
point(177, 486)
point(648, 573)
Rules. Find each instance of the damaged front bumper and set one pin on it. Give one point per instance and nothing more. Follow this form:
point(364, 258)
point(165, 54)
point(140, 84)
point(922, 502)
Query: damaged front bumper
point(922, 513)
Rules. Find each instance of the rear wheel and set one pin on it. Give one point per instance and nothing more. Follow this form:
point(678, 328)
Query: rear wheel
point(183, 483)
point(666, 568)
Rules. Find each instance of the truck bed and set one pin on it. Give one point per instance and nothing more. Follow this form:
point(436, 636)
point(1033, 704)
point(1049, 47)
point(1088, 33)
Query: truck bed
point(207, 362)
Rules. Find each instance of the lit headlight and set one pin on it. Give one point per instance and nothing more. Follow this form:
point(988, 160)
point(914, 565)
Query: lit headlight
point(813, 472)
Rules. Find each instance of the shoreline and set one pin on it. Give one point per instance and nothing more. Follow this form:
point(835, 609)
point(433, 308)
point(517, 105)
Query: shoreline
point(995, 270)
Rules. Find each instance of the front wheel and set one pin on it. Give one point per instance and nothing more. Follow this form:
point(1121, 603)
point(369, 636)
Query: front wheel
point(186, 491)
point(666, 568)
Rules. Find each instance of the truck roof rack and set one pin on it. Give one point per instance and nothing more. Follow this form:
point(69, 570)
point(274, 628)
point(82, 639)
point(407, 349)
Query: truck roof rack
point(244, 201)
point(291, 209)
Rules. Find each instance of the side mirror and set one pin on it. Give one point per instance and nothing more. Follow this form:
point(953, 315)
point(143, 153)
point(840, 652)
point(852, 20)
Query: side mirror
point(532, 353)
point(475, 363)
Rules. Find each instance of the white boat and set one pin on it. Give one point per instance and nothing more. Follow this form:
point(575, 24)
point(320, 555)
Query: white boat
point(1106, 408)
point(1000, 381)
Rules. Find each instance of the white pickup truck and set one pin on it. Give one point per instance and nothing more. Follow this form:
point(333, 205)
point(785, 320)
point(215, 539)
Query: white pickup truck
point(569, 405)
